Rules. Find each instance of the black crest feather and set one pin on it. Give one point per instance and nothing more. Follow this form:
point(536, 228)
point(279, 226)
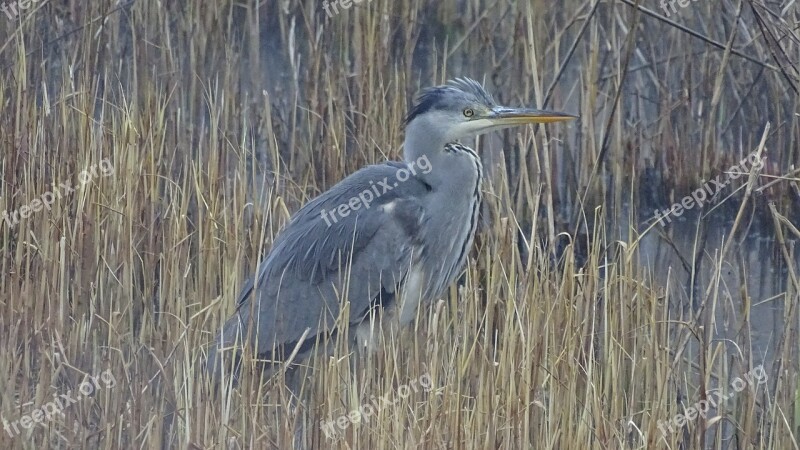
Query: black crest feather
point(441, 97)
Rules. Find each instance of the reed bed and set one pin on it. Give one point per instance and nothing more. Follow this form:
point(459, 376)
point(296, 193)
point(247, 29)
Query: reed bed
point(175, 139)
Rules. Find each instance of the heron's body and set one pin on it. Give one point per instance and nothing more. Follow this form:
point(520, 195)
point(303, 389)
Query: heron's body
point(382, 258)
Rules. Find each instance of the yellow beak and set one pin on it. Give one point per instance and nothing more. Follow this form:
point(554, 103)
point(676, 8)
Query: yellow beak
point(503, 116)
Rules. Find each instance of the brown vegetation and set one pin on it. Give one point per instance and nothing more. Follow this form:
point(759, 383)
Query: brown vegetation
point(221, 118)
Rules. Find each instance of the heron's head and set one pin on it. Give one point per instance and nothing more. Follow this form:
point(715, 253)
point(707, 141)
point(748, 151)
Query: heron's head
point(461, 109)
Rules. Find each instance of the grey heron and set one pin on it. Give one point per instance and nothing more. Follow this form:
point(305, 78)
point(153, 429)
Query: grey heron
point(387, 239)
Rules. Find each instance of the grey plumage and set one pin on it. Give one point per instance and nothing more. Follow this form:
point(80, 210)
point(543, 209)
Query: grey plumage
point(402, 249)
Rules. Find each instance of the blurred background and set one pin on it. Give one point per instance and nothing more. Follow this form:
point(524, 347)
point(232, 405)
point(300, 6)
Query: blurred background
point(582, 320)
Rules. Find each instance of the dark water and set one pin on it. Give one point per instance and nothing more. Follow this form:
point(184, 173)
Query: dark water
point(752, 272)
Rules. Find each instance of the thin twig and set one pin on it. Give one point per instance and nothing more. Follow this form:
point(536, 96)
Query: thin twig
point(707, 40)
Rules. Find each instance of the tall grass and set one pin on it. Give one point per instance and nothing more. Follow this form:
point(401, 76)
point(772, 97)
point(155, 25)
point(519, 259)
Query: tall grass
point(221, 118)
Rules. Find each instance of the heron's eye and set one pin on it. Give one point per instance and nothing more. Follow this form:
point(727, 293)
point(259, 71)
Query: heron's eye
point(469, 112)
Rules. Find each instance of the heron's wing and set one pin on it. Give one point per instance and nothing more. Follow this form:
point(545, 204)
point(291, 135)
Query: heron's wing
point(353, 241)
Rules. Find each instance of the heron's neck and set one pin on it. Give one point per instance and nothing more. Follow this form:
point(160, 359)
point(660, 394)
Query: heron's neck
point(422, 138)
point(424, 141)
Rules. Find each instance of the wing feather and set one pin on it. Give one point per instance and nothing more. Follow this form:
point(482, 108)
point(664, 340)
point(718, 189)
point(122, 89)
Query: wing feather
point(302, 279)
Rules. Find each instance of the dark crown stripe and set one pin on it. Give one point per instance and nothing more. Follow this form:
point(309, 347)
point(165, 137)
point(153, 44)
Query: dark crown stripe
point(438, 96)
